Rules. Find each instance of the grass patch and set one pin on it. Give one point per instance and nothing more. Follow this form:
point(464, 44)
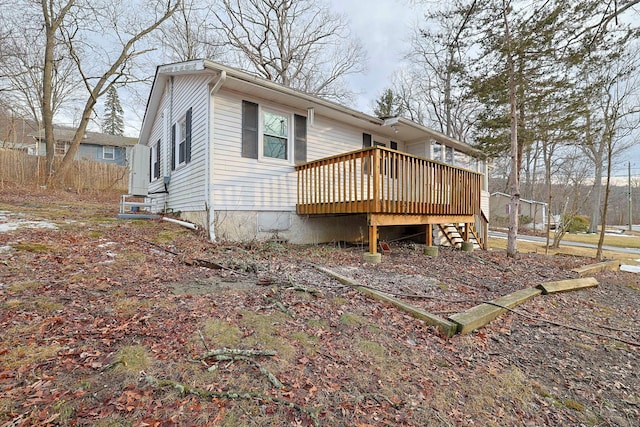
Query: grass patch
point(40, 304)
point(572, 404)
point(220, 333)
point(309, 342)
point(167, 236)
point(317, 324)
point(132, 359)
point(64, 410)
point(339, 301)
point(95, 234)
point(130, 306)
point(609, 240)
point(263, 333)
point(46, 305)
point(31, 247)
point(29, 354)
point(23, 286)
point(134, 257)
point(351, 319)
point(371, 349)
point(538, 248)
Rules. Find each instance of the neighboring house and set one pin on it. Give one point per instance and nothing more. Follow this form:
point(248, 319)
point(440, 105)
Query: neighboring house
point(533, 212)
point(15, 133)
point(95, 146)
point(248, 158)
point(22, 134)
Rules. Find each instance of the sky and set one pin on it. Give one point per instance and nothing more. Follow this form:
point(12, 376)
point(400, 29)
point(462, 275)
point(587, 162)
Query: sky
point(384, 27)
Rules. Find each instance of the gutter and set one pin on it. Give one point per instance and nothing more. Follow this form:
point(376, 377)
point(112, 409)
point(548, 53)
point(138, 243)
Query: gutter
point(222, 78)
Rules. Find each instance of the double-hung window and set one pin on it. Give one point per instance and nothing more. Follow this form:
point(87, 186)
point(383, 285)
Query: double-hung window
point(108, 153)
point(275, 134)
point(155, 161)
point(181, 141)
point(271, 134)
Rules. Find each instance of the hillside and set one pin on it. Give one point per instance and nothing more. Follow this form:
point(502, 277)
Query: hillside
point(143, 323)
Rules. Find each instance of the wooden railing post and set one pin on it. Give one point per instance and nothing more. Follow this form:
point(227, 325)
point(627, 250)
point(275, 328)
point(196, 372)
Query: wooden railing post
point(378, 180)
point(375, 172)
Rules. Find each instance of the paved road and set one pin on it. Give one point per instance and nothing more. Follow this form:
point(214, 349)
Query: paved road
point(537, 239)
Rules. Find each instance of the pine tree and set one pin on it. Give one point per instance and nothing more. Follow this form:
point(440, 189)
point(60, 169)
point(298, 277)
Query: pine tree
point(113, 123)
point(387, 105)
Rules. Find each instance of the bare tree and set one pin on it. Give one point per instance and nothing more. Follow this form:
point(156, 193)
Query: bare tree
point(441, 57)
point(189, 33)
point(297, 43)
point(78, 48)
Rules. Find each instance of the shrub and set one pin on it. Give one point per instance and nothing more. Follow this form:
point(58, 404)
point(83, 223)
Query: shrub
point(575, 224)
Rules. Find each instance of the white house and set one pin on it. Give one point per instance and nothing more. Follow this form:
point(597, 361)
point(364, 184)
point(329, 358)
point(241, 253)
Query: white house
point(248, 158)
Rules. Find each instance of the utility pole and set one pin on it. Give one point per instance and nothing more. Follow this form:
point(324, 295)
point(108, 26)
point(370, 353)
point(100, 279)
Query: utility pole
point(630, 212)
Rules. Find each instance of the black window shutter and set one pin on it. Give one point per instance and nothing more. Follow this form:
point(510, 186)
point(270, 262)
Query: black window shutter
point(152, 167)
point(188, 135)
point(173, 147)
point(366, 140)
point(393, 145)
point(156, 166)
point(249, 130)
point(300, 145)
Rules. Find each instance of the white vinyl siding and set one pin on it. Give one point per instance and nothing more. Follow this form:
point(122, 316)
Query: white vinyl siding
point(187, 182)
point(242, 183)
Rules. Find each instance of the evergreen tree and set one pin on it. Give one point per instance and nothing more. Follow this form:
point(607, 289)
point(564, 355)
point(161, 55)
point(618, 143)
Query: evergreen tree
point(387, 105)
point(113, 123)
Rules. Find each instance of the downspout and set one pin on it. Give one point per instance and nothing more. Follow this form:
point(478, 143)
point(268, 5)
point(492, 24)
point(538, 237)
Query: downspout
point(209, 156)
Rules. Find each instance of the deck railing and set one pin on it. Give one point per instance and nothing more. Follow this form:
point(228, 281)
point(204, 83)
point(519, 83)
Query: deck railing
point(379, 180)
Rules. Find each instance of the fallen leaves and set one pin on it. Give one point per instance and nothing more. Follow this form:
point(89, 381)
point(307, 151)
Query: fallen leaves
point(69, 312)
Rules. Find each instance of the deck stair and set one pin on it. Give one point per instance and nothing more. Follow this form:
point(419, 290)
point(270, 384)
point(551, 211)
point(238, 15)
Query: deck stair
point(131, 207)
point(451, 235)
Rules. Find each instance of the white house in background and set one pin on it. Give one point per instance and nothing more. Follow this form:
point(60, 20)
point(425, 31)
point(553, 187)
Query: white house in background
point(247, 158)
point(534, 211)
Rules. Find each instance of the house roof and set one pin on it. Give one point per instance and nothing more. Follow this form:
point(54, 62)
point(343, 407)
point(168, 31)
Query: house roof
point(95, 138)
point(20, 131)
point(233, 79)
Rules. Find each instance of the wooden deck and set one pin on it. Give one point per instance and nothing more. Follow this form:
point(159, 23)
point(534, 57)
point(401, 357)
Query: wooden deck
point(392, 188)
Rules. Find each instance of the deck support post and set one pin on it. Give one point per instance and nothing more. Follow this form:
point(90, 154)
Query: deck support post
point(466, 232)
point(373, 239)
point(429, 235)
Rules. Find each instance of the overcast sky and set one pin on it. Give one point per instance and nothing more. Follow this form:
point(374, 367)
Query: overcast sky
point(384, 28)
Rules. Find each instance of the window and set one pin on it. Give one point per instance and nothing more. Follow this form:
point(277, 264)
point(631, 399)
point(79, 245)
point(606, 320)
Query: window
point(181, 141)
point(60, 148)
point(437, 151)
point(108, 153)
point(154, 155)
point(275, 135)
point(448, 159)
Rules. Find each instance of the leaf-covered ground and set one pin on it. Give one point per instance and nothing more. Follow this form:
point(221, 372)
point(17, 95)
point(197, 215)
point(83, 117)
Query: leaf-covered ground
point(107, 322)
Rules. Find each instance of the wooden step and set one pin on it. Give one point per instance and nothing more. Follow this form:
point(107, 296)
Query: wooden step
point(482, 314)
point(596, 268)
point(568, 285)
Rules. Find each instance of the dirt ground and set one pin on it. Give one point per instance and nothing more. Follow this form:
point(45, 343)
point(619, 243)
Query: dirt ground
point(109, 322)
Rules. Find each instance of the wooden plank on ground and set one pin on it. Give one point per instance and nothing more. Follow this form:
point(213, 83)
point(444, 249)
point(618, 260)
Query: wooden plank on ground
point(446, 327)
point(568, 285)
point(596, 268)
point(482, 314)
